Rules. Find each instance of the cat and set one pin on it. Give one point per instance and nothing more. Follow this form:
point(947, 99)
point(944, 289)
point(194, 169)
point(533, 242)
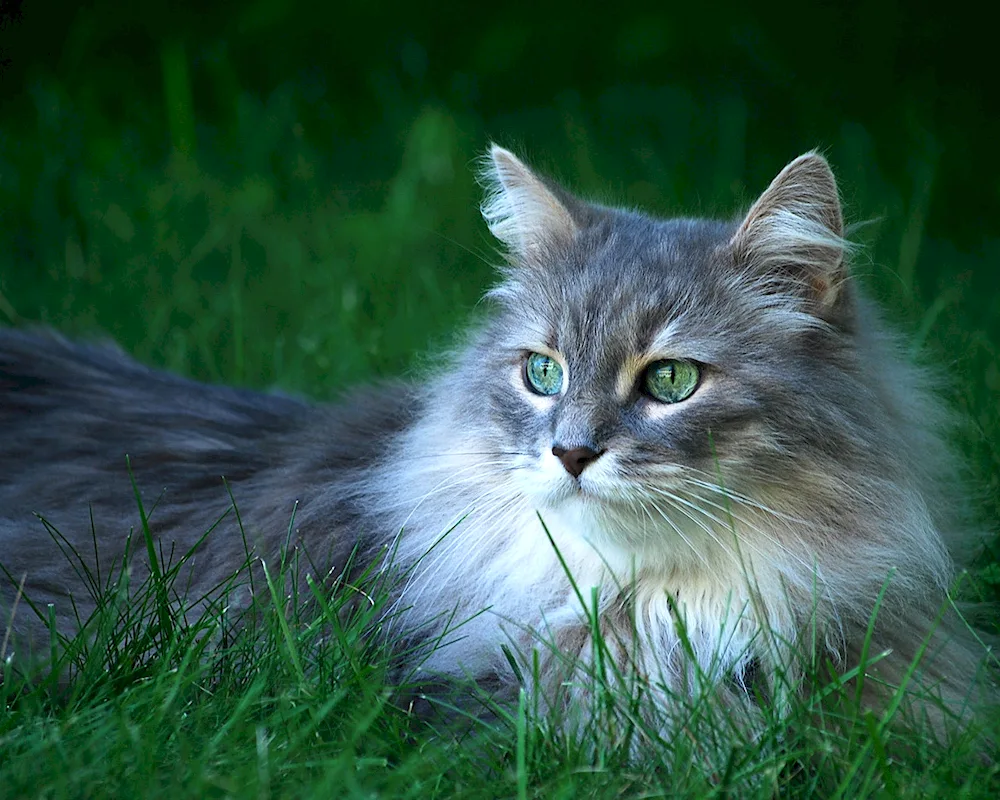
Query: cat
point(688, 447)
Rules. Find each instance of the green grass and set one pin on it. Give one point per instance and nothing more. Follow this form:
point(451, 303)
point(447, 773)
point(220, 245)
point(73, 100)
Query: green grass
point(267, 251)
point(292, 699)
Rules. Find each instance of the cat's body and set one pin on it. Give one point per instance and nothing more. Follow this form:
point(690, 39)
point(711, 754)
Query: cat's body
point(75, 419)
point(763, 509)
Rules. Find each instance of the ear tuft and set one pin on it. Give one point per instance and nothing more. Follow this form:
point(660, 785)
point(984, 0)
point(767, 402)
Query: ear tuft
point(794, 232)
point(521, 210)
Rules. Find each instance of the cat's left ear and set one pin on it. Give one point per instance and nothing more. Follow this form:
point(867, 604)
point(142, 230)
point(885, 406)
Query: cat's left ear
point(529, 215)
point(792, 237)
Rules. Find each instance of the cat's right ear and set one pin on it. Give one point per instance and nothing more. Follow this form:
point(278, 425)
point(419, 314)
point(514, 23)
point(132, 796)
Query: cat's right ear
point(793, 236)
point(524, 212)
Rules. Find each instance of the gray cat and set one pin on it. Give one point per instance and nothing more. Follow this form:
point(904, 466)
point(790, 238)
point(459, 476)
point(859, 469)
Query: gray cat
point(704, 423)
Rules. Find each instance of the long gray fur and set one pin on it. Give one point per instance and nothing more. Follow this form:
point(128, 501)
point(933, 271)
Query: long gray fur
point(808, 472)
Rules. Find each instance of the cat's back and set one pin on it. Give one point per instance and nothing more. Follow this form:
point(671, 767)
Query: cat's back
point(66, 405)
point(71, 413)
point(84, 428)
point(87, 434)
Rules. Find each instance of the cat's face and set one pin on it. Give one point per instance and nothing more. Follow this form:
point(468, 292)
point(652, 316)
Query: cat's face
point(638, 365)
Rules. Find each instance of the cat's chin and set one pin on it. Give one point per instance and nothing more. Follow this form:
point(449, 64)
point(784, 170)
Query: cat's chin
point(575, 495)
point(606, 503)
point(610, 519)
point(584, 518)
point(593, 512)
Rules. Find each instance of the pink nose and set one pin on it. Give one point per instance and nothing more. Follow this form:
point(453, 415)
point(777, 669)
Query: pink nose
point(576, 459)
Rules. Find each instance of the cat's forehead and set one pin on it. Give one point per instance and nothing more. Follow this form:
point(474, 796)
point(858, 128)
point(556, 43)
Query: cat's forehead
point(659, 256)
point(627, 282)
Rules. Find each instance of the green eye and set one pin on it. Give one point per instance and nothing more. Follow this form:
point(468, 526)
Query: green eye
point(672, 380)
point(543, 374)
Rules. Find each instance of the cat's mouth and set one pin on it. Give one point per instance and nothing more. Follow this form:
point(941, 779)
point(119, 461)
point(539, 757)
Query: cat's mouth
point(590, 492)
point(568, 494)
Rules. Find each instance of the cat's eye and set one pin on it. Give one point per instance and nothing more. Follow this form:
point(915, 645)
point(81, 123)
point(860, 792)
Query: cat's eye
point(671, 380)
point(543, 374)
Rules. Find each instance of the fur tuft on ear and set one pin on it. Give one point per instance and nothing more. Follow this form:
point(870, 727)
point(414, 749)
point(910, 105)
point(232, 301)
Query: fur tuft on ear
point(521, 210)
point(793, 234)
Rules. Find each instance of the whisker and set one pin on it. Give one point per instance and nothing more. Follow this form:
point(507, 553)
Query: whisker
point(460, 453)
point(676, 528)
point(473, 506)
point(730, 494)
point(754, 528)
point(447, 483)
point(678, 504)
point(470, 544)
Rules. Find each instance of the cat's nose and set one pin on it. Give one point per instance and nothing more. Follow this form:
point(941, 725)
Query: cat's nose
point(575, 459)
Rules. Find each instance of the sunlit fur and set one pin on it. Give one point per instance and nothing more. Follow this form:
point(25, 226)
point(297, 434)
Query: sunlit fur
point(738, 537)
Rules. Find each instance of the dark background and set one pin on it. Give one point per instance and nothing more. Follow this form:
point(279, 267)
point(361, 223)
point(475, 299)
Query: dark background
point(281, 193)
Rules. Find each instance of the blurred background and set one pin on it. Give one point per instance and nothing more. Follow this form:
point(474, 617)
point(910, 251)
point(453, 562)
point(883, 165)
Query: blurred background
point(282, 194)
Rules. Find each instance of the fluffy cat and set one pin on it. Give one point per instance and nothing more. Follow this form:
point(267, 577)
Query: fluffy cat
point(704, 423)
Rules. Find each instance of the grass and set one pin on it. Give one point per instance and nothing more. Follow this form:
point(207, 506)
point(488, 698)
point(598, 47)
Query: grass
point(253, 255)
point(292, 699)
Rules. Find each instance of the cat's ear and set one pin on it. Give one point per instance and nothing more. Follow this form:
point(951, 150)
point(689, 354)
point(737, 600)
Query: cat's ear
point(523, 211)
point(792, 236)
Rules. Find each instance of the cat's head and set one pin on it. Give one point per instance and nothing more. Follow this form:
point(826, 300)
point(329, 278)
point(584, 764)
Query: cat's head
point(634, 362)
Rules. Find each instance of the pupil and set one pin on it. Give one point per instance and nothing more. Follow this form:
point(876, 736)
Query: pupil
point(544, 374)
